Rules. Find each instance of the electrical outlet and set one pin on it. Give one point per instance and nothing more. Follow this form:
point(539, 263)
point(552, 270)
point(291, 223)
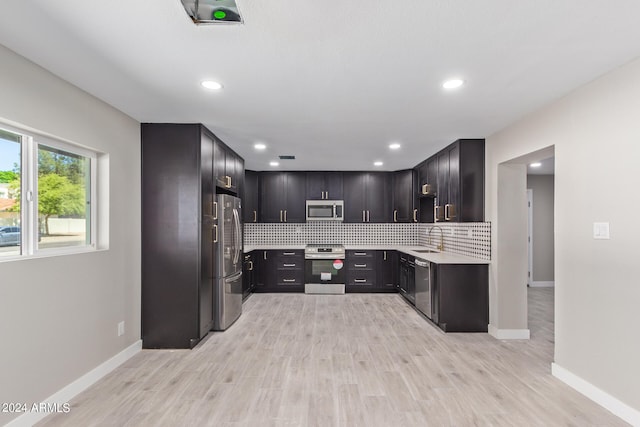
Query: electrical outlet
point(601, 231)
point(121, 328)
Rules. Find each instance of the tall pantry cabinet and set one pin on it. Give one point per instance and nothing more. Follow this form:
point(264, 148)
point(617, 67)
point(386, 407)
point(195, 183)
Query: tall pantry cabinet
point(178, 251)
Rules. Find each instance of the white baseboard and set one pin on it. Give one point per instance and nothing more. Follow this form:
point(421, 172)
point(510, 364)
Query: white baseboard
point(67, 393)
point(509, 334)
point(550, 284)
point(602, 398)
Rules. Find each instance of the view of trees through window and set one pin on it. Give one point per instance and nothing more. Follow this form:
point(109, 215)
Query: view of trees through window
point(63, 195)
point(63, 190)
point(10, 160)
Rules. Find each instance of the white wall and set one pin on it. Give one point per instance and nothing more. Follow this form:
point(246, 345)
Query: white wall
point(596, 134)
point(59, 315)
point(542, 239)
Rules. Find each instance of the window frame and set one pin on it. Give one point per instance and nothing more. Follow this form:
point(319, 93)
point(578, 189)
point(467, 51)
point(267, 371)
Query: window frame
point(29, 146)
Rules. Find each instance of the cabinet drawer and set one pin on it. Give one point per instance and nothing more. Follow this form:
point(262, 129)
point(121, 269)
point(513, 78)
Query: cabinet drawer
point(289, 264)
point(361, 278)
point(360, 254)
point(289, 278)
point(288, 254)
point(358, 264)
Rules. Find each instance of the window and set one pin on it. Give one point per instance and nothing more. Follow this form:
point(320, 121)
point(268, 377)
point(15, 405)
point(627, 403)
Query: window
point(47, 190)
point(10, 185)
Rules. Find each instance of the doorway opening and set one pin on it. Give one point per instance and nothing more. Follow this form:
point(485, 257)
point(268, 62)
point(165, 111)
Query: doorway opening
point(526, 244)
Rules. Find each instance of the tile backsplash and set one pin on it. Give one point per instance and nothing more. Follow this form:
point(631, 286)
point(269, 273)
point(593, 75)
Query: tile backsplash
point(330, 232)
point(470, 239)
point(465, 238)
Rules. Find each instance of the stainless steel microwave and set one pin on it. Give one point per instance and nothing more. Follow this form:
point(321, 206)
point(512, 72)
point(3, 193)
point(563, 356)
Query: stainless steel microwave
point(325, 210)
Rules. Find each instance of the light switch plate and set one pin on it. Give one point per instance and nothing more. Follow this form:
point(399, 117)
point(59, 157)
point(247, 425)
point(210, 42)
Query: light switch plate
point(601, 230)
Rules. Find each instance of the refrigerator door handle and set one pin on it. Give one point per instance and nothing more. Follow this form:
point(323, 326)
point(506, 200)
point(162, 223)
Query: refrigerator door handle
point(237, 235)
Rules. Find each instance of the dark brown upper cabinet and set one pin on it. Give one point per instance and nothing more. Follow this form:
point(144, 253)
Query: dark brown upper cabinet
point(228, 169)
point(326, 185)
point(367, 196)
point(460, 188)
point(282, 196)
point(250, 199)
point(403, 209)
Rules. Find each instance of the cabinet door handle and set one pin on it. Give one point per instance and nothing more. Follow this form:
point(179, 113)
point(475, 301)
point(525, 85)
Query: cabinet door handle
point(288, 265)
point(437, 217)
point(385, 256)
point(214, 231)
point(255, 216)
point(250, 265)
point(360, 265)
point(395, 215)
point(264, 255)
point(288, 280)
point(327, 194)
point(364, 218)
point(228, 178)
point(288, 253)
point(280, 215)
point(368, 216)
point(415, 215)
point(449, 212)
point(360, 280)
point(215, 210)
point(285, 215)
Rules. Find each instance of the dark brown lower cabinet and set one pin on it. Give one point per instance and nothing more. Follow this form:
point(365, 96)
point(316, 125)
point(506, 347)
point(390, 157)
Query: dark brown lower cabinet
point(460, 297)
point(248, 275)
point(280, 271)
point(371, 271)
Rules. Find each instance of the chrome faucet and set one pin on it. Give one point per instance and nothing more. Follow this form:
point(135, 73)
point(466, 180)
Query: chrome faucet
point(441, 245)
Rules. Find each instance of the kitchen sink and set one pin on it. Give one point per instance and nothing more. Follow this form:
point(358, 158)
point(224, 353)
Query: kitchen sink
point(426, 251)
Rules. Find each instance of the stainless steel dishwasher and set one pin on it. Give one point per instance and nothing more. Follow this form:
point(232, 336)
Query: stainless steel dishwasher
point(423, 287)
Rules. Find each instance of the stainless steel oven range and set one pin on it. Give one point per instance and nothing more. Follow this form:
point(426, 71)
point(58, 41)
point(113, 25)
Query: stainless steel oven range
point(324, 271)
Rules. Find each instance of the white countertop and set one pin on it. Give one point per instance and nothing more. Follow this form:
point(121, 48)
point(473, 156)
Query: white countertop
point(438, 258)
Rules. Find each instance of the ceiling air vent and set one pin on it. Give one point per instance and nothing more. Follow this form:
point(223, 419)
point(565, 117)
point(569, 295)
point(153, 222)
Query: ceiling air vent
point(212, 11)
point(287, 157)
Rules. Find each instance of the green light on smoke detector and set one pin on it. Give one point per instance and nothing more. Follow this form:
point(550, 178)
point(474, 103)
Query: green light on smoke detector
point(219, 14)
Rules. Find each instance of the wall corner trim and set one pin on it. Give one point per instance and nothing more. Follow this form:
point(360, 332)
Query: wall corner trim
point(602, 398)
point(78, 386)
point(509, 334)
point(550, 284)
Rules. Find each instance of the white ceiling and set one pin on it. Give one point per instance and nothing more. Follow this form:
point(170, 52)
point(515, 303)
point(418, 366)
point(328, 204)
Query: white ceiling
point(331, 83)
point(547, 167)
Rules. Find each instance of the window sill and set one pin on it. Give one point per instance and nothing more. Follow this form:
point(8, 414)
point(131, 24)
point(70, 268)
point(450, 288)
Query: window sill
point(53, 252)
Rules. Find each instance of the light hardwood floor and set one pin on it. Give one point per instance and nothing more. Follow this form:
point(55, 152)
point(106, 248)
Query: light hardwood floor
point(341, 360)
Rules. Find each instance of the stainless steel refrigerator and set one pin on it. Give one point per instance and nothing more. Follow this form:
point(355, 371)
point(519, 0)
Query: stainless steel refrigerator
point(227, 295)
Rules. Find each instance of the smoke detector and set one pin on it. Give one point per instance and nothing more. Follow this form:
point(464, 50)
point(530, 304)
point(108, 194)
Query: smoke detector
point(212, 11)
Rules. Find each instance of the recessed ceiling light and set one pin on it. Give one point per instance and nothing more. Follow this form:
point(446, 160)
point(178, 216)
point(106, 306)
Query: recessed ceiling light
point(259, 146)
point(535, 165)
point(274, 164)
point(453, 83)
point(394, 146)
point(378, 163)
point(210, 84)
